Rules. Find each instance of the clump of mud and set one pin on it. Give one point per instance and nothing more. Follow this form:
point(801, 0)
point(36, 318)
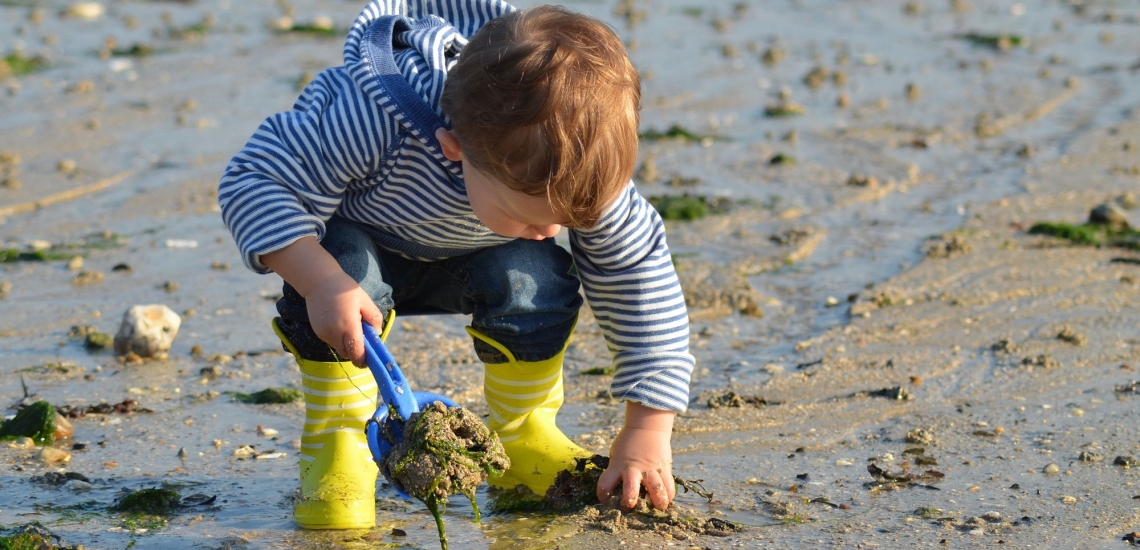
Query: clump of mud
point(677, 522)
point(577, 490)
point(444, 451)
point(714, 291)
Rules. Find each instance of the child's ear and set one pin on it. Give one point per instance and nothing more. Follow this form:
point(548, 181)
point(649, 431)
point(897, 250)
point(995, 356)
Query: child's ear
point(450, 144)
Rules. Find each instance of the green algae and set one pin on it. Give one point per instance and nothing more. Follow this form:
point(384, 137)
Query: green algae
point(600, 371)
point(269, 395)
point(103, 240)
point(785, 109)
point(78, 513)
point(98, 341)
point(32, 536)
point(444, 451)
point(319, 31)
point(1090, 234)
point(678, 133)
point(18, 64)
point(782, 158)
point(63, 367)
point(30, 541)
point(36, 421)
point(995, 41)
point(12, 255)
point(135, 50)
point(25, 541)
point(683, 208)
point(154, 502)
point(688, 207)
point(926, 512)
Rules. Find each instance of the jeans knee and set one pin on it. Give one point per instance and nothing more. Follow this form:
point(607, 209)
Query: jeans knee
point(536, 273)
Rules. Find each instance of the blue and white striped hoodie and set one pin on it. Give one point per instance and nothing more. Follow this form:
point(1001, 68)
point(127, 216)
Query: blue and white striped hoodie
point(360, 143)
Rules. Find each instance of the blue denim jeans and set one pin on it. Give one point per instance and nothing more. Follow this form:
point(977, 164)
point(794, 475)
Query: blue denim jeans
point(523, 294)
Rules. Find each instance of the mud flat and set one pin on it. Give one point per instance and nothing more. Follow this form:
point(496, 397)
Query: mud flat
point(887, 355)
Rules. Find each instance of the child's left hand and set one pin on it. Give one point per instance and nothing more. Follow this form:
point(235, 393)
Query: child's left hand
point(641, 456)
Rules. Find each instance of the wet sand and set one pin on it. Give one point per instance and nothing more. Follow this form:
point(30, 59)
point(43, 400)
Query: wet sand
point(811, 294)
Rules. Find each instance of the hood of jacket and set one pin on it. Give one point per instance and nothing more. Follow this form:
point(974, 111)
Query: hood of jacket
point(399, 51)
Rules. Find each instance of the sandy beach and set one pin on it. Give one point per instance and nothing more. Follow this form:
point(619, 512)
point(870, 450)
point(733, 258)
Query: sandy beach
point(887, 355)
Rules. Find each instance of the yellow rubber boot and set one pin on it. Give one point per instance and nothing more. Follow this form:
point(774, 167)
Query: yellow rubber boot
point(338, 476)
point(524, 397)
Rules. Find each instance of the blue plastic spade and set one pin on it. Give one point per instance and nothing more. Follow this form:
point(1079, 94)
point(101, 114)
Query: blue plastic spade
point(399, 401)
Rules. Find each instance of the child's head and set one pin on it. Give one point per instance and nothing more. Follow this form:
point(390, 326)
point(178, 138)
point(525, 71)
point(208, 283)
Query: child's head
point(546, 101)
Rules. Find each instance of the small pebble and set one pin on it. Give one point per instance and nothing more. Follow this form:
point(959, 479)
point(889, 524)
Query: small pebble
point(86, 10)
point(22, 443)
point(920, 436)
point(66, 166)
point(78, 485)
point(52, 455)
point(1051, 469)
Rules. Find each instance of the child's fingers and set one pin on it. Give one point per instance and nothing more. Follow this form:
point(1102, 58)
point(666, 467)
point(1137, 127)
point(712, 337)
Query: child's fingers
point(606, 484)
point(371, 315)
point(657, 489)
point(354, 345)
point(630, 487)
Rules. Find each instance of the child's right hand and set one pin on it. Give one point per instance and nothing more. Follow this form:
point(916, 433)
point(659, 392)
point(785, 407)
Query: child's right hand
point(337, 305)
point(335, 301)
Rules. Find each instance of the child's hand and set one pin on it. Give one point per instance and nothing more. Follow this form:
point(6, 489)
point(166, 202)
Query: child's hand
point(336, 307)
point(641, 456)
point(335, 301)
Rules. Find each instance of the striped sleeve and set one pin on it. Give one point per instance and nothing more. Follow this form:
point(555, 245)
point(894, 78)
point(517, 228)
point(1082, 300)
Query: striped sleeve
point(629, 280)
point(292, 174)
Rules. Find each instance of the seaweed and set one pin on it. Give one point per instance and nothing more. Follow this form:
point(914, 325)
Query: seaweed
point(885, 480)
point(995, 41)
point(599, 371)
point(11, 255)
point(32, 536)
point(137, 49)
point(688, 207)
point(319, 31)
point(444, 451)
point(18, 64)
point(782, 158)
point(784, 109)
point(685, 207)
point(269, 395)
point(97, 341)
point(678, 133)
point(149, 501)
point(1090, 234)
point(36, 421)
